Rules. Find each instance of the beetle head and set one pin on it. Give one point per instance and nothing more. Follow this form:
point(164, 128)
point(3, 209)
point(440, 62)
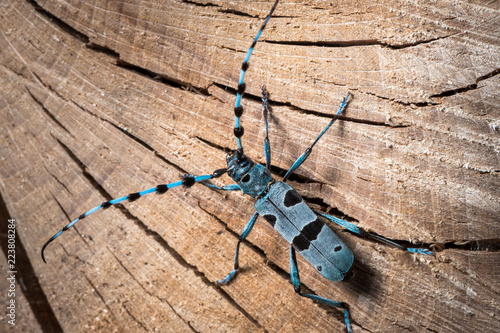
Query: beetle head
point(237, 164)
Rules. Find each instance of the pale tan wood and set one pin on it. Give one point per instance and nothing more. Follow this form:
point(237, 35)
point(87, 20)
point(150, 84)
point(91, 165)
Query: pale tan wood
point(84, 120)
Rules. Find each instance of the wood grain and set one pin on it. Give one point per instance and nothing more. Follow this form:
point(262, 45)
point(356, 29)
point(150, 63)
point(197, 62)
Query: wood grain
point(103, 98)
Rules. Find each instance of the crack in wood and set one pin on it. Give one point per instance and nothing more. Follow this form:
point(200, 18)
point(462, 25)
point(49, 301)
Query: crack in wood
point(57, 180)
point(201, 4)
point(113, 54)
point(474, 245)
point(99, 295)
point(469, 87)
point(355, 43)
point(487, 245)
point(163, 300)
point(48, 112)
point(58, 22)
point(220, 9)
point(251, 246)
point(236, 12)
point(319, 113)
point(161, 78)
point(77, 258)
point(103, 49)
point(143, 326)
point(335, 211)
point(74, 227)
point(183, 262)
point(133, 137)
point(85, 172)
point(157, 237)
point(417, 104)
point(60, 207)
point(204, 91)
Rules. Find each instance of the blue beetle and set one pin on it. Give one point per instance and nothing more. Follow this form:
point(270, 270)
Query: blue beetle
point(277, 202)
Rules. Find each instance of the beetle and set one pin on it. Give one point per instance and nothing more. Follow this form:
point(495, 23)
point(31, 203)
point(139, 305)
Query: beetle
point(276, 201)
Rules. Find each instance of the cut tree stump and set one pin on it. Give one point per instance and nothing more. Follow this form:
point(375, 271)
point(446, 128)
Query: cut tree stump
point(103, 98)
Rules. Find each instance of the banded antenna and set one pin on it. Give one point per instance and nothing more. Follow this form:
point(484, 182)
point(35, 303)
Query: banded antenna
point(238, 109)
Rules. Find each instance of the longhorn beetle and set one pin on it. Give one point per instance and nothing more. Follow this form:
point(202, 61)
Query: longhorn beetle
point(277, 202)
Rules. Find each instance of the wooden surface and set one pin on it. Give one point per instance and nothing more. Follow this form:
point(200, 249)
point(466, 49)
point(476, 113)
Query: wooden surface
point(103, 98)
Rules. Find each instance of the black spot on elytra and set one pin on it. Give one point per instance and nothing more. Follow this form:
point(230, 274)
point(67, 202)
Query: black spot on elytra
point(319, 268)
point(270, 218)
point(300, 243)
point(337, 248)
point(291, 198)
point(312, 230)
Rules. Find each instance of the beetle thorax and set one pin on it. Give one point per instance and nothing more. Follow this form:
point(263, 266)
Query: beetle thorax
point(251, 177)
